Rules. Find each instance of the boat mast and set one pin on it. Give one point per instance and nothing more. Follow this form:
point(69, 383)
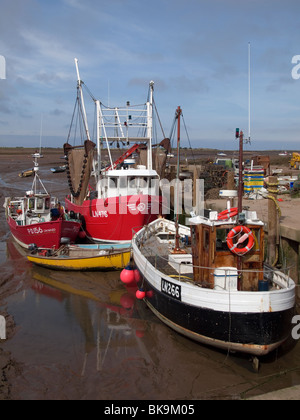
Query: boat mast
point(79, 84)
point(249, 101)
point(177, 249)
point(240, 135)
point(98, 137)
point(36, 177)
point(149, 126)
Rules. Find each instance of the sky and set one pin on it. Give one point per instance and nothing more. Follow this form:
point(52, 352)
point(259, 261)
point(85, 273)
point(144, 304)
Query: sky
point(196, 52)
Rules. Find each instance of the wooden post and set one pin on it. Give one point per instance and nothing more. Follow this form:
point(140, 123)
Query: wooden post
point(195, 177)
point(272, 219)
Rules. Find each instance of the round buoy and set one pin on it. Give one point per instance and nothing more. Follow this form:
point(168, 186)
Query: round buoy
point(140, 294)
point(127, 274)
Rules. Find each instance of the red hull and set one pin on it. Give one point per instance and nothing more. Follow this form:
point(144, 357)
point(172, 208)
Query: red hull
point(45, 234)
point(117, 219)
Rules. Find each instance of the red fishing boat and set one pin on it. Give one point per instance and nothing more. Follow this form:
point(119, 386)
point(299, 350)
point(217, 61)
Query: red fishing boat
point(38, 218)
point(126, 192)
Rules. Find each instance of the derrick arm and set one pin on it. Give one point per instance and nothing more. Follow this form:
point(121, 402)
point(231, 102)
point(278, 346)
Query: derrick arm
point(123, 157)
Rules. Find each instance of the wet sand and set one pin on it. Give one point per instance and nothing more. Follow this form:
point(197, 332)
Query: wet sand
point(104, 344)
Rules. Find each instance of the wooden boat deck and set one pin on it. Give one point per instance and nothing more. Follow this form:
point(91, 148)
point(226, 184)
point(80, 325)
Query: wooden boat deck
point(157, 253)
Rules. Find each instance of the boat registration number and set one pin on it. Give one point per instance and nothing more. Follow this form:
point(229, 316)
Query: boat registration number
point(171, 289)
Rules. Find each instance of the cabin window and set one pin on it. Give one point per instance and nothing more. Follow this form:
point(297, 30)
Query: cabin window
point(132, 182)
point(47, 203)
point(39, 204)
point(31, 203)
point(123, 182)
point(154, 185)
point(112, 182)
point(222, 234)
point(142, 182)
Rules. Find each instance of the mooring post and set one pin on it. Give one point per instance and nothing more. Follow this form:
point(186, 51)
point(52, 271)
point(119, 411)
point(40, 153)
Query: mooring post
point(273, 220)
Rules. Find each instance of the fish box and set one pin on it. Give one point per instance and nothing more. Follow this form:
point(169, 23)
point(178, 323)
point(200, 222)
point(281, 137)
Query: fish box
point(182, 263)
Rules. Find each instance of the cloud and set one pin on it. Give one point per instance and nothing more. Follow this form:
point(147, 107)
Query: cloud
point(190, 85)
point(57, 112)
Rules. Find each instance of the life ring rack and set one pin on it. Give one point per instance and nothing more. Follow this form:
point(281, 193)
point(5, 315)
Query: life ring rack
point(248, 234)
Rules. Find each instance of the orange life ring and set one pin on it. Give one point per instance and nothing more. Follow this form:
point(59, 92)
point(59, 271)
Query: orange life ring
point(247, 235)
point(227, 214)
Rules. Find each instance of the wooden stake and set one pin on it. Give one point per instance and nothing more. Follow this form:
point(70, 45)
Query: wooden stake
point(272, 219)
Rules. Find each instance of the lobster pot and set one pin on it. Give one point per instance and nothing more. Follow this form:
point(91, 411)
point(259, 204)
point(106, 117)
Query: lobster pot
point(226, 278)
point(253, 179)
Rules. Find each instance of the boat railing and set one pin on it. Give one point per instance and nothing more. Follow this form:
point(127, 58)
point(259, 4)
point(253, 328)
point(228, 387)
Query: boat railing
point(180, 266)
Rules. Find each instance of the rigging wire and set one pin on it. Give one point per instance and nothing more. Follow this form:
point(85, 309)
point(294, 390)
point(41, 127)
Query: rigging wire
point(75, 107)
point(161, 127)
point(188, 137)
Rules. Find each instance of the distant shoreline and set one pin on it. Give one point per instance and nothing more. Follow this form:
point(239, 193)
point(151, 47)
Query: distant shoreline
point(203, 150)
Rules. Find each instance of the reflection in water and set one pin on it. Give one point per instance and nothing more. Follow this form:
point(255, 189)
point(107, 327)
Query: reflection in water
point(106, 317)
point(85, 336)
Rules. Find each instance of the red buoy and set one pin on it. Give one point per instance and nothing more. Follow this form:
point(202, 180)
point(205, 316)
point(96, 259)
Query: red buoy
point(140, 294)
point(127, 275)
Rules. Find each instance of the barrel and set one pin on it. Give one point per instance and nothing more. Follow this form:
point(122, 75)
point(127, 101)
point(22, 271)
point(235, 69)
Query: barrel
point(263, 286)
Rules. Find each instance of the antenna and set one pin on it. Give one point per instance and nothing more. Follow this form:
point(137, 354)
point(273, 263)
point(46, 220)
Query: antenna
point(249, 100)
point(41, 130)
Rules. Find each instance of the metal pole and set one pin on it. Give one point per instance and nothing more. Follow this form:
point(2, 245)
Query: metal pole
point(240, 189)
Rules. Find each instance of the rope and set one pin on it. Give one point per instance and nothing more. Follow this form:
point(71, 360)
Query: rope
point(275, 191)
point(276, 204)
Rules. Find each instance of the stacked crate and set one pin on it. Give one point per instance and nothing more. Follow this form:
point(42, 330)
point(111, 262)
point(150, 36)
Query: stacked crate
point(253, 179)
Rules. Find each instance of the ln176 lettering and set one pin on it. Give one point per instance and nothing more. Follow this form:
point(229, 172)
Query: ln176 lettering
point(171, 289)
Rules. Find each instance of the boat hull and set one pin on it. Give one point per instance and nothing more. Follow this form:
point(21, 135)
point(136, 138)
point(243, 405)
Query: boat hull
point(116, 219)
point(113, 261)
point(44, 234)
point(26, 174)
point(257, 334)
